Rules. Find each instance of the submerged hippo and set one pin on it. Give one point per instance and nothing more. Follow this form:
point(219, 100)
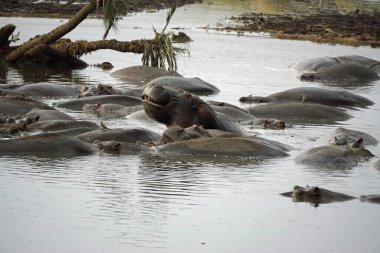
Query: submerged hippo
point(177, 133)
point(43, 90)
point(173, 106)
point(234, 147)
point(344, 73)
point(43, 115)
point(111, 110)
point(316, 195)
point(102, 89)
point(77, 104)
point(56, 125)
point(12, 105)
point(373, 198)
point(142, 74)
point(194, 85)
point(332, 155)
point(46, 144)
point(298, 112)
point(132, 135)
point(320, 63)
point(346, 137)
point(122, 148)
point(312, 95)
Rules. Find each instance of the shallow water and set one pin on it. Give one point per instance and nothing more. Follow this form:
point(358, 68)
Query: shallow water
point(105, 203)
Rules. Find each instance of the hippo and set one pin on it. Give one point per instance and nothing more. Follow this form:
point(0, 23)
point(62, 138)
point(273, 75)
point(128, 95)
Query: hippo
point(335, 156)
point(230, 147)
point(312, 95)
point(140, 75)
point(46, 144)
point(298, 112)
point(43, 115)
point(122, 148)
point(43, 90)
point(194, 85)
point(111, 110)
point(132, 135)
point(346, 137)
point(373, 198)
point(177, 133)
point(316, 195)
point(56, 125)
point(102, 89)
point(11, 105)
point(77, 104)
point(320, 63)
point(342, 74)
point(173, 106)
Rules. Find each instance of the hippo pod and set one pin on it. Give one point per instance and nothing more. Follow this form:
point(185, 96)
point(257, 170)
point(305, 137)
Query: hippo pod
point(173, 106)
point(46, 144)
point(42, 90)
point(194, 85)
point(298, 112)
point(312, 95)
point(332, 155)
point(141, 75)
point(315, 195)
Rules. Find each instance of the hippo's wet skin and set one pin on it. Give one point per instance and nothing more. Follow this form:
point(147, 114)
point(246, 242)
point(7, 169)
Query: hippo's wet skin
point(312, 95)
point(19, 105)
point(316, 195)
point(42, 90)
point(346, 137)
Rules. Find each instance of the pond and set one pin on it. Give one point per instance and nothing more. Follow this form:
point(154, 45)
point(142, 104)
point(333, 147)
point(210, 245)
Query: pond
point(151, 203)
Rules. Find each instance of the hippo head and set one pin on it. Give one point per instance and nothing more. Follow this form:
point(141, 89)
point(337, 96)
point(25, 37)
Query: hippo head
point(306, 194)
point(274, 124)
point(173, 106)
point(255, 99)
point(177, 133)
point(308, 77)
point(112, 147)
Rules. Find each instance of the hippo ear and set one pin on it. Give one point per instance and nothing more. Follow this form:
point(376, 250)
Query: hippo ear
point(116, 148)
point(85, 88)
point(316, 190)
point(98, 106)
point(37, 118)
point(297, 187)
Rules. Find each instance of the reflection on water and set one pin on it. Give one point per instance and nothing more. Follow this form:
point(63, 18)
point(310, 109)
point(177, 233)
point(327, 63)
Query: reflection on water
point(151, 203)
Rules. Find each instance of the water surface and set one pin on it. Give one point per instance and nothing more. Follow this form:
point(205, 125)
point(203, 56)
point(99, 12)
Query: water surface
point(106, 203)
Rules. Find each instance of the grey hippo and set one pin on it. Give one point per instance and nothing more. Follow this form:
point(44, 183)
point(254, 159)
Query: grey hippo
point(347, 137)
point(43, 90)
point(111, 110)
point(12, 105)
point(320, 63)
point(173, 106)
point(141, 75)
point(194, 85)
point(312, 95)
point(298, 112)
point(46, 144)
point(334, 156)
point(57, 125)
point(77, 104)
point(316, 195)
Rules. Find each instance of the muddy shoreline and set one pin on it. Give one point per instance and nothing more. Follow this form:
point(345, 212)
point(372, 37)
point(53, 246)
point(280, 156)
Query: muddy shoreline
point(53, 9)
point(354, 29)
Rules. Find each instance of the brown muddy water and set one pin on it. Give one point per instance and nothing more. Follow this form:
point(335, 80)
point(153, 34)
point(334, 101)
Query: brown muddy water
point(106, 203)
